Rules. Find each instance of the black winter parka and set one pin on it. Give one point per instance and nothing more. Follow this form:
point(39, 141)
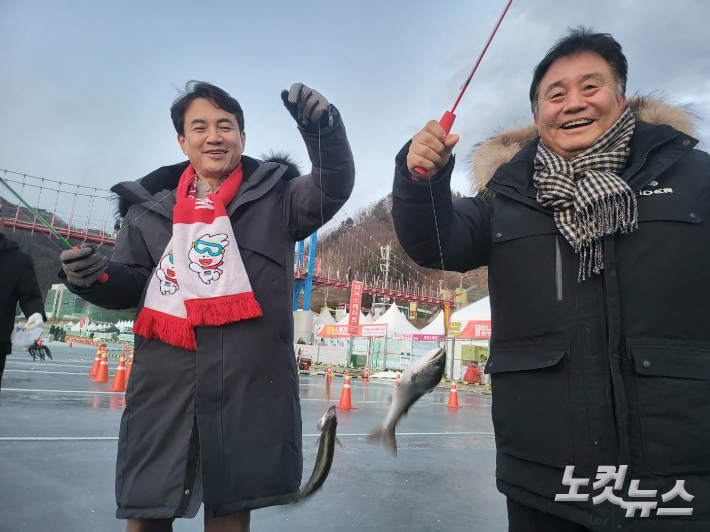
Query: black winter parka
point(613, 370)
point(229, 411)
point(19, 284)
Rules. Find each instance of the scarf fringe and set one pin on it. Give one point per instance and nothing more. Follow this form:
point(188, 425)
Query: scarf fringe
point(216, 311)
point(603, 217)
point(170, 329)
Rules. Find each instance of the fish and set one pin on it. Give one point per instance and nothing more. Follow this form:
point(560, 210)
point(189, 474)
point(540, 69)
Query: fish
point(326, 449)
point(418, 379)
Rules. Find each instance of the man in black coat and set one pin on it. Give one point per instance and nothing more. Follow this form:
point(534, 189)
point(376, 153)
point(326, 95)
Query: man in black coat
point(219, 423)
point(19, 284)
point(595, 226)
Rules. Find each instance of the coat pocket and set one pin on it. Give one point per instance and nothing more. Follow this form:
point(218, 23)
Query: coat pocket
point(673, 387)
point(531, 412)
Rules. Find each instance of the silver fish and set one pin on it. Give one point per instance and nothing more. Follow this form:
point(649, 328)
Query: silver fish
point(419, 378)
point(326, 449)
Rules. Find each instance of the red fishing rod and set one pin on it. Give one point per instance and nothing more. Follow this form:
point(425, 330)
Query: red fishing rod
point(448, 119)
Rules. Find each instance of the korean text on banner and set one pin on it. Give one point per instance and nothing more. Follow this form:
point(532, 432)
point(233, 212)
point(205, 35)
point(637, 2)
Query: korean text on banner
point(355, 301)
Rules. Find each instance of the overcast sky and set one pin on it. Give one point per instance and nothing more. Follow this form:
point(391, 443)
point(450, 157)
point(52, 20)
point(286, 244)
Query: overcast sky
point(86, 86)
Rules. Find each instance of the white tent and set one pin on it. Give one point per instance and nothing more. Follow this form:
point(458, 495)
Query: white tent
point(480, 310)
point(396, 322)
point(324, 318)
point(436, 327)
point(470, 326)
point(363, 319)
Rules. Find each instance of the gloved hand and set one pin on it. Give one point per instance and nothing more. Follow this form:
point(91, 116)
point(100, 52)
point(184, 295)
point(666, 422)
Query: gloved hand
point(34, 321)
point(83, 265)
point(308, 107)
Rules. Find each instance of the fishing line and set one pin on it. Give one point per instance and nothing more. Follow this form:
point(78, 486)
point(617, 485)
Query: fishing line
point(320, 176)
point(448, 120)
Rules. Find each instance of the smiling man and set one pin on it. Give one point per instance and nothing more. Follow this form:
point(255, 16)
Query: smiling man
point(205, 253)
point(593, 223)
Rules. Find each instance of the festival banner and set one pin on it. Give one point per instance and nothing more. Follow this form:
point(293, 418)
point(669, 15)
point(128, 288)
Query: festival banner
point(419, 337)
point(355, 300)
point(343, 331)
point(473, 329)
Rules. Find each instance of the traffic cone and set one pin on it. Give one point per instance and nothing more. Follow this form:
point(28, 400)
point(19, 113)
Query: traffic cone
point(97, 362)
point(130, 366)
point(366, 377)
point(119, 379)
point(102, 374)
point(345, 397)
point(330, 372)
point(69, 346)
point(39, 341)
point(126, 347)
point(396, 383)
point(453, 396)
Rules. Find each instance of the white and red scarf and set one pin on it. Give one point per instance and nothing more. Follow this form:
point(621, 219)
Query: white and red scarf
point(200, 280)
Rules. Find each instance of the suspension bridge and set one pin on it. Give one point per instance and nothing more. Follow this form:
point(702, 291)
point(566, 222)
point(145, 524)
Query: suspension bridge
point(350, 253)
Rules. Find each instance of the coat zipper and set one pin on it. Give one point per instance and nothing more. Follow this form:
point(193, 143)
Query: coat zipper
point(558, 267)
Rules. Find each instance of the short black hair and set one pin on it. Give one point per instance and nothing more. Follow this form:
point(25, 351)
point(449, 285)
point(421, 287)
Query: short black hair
point(201, 89)
point(580, 40)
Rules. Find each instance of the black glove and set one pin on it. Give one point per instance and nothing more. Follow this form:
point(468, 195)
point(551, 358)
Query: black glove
point(308, 107)
point(84, 265)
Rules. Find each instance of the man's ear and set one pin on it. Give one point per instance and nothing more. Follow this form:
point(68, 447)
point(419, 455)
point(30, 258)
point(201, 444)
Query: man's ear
point(536, 119)
point(622, 102)
point(243, 136)
point(181, 141)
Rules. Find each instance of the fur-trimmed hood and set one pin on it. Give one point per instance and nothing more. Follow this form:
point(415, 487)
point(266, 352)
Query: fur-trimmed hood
point(487, 156)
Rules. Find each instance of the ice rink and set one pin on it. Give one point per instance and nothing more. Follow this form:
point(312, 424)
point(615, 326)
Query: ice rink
point(58, 439)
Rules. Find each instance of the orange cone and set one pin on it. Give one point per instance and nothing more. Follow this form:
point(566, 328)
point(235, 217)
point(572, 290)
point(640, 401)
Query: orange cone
point(330, 372)
point(102, 374)
point(39, 341)
point(97, 362)
point(69, 346)
point(366, 377)
point(129, 367)
point(396, 383)
point(119, 379)
point(346, 397)
point(453, 396)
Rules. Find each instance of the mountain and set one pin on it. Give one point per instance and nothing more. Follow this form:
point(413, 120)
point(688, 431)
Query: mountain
point(354, 244)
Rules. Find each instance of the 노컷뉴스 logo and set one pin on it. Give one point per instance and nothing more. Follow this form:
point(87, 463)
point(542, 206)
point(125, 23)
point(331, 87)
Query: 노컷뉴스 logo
point(605, 474)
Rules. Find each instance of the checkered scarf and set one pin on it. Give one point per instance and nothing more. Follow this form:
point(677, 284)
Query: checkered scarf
point(589, 198)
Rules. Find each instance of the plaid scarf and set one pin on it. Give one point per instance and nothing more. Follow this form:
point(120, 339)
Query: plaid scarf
point(589, 198)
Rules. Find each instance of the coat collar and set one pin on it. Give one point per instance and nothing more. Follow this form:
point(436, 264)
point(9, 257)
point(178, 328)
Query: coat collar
point(653, 150)
point(157, 190)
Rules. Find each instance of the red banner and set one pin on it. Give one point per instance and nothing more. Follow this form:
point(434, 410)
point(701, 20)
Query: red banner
point(472, 329)
point(341, 331)
point(355, 301)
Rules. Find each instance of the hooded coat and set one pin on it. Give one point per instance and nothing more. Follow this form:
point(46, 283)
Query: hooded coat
point(228, 412)
point(613, 370)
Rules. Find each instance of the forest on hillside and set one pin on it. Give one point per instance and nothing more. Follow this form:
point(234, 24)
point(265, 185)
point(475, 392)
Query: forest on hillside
point(368, 227)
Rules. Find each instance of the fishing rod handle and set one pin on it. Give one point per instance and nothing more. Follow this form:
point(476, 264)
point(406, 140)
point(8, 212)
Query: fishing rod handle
point(446, 122)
